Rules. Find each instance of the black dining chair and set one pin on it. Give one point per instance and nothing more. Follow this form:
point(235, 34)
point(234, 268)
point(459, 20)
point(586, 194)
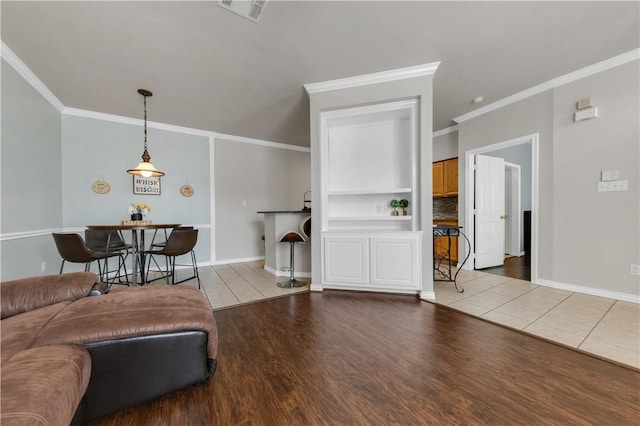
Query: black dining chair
point(72, 248)
point(180, 242)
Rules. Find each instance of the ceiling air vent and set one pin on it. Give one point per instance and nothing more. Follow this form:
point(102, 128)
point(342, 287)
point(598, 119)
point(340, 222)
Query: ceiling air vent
point(250, 9)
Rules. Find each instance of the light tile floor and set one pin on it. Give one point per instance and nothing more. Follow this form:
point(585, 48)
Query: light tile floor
point(237, 283)
point(606, 327)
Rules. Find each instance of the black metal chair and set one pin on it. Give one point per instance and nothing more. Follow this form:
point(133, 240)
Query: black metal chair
point(72, 248)
point(180, 242)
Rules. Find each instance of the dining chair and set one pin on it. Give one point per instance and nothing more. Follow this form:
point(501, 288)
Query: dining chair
point(108, 241)
point(162, 243)
point(180, 242)
point(72, 248)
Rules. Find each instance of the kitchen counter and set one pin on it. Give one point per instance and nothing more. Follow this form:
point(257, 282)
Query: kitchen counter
point(276, 254)
point(307, 211)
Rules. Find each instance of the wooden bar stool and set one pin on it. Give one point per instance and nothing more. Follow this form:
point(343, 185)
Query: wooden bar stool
point(291, 237)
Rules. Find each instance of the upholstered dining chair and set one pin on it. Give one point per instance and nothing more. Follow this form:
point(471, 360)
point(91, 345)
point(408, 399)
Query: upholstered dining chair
point(162, 243)
point(108, 241)
point(72, 248)
point(180, 242)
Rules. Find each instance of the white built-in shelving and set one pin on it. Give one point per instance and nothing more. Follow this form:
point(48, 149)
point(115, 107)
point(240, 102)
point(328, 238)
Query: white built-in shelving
point(369, 156)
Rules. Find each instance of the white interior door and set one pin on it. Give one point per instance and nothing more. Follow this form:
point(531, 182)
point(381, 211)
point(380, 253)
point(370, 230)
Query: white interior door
point(490, 211)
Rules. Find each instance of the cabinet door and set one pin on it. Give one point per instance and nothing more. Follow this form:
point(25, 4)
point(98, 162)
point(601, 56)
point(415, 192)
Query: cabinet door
point(438, 179)
point(441, 244)
point(346, 260)
point(394, 262)
point(450, 177)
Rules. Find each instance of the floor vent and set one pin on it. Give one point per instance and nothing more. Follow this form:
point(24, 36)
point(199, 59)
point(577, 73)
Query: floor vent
point(250, 9)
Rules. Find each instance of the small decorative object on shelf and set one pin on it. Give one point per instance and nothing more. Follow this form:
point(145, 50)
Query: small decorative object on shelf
point(403, 204)
point(137, 211)
point(394, 204)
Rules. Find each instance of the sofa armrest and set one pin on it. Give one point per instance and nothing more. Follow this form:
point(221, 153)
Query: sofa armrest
point(26, 294)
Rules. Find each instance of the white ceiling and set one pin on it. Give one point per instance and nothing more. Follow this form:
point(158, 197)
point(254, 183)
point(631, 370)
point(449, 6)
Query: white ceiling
point(210, 69)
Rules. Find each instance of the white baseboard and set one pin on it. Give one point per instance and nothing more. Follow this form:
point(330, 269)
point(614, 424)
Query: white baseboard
point(240, 260)
point(316, 287)
point(633, 298)
point(428, 295)
point(277, 273)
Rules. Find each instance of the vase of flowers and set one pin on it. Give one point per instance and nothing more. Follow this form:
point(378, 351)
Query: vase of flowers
point(137, 211)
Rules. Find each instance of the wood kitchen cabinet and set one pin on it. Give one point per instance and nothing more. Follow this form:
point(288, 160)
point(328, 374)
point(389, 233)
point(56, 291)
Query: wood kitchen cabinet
point(441, 243)
point(438, 179)
point(445, 178)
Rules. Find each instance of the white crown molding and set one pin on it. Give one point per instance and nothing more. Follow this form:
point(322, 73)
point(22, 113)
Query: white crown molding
point(179, 129)
point(445, 131)
point(633, 298)
point(24, 71)
point(133, 121)
point(21, 68)
point(261, 142)
point(373, 78)
point(598, 67)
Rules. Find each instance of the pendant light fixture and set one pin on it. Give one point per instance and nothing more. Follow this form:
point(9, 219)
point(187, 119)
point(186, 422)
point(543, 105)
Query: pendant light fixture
point(145, 167)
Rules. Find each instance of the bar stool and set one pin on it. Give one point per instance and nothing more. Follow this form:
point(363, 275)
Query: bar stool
point(291, 237)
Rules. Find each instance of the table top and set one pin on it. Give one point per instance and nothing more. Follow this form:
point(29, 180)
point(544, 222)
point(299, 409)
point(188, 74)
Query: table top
point(305, 211)
point(133, 227)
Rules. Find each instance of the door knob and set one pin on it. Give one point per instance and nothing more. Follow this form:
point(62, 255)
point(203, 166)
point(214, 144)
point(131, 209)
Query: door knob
point(504, 216)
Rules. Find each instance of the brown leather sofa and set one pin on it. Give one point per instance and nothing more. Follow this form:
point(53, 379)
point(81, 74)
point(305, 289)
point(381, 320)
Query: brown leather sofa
point(68, 358)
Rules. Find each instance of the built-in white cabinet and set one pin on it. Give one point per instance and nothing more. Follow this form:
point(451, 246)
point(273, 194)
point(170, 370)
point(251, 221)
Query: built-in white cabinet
point(379, 261)
point(369, 156)
point(346, 260)
point(395, 261)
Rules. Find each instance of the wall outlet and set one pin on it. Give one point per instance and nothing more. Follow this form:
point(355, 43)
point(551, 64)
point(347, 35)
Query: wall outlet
point(43, 266)
point(635, 269)
point(244, 204)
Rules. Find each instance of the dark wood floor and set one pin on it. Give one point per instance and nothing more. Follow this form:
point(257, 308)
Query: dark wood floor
point(346, 358)
point(514, 267)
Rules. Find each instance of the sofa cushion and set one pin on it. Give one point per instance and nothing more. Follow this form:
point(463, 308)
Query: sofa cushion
point(19, 331)
point(27, 294)
point(44, 385)
point(132, 312)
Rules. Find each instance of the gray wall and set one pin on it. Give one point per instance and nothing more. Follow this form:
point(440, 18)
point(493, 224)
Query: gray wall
point(267, 179)
point(586, 238)
point(445, 146)
point(50, 160)
point(93, 147)
point(596, 234)
point(31, 178)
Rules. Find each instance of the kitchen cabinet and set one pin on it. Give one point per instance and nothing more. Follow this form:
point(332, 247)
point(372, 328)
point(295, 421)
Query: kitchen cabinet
point(438, 179)
point(441, 244)
point(445, 178)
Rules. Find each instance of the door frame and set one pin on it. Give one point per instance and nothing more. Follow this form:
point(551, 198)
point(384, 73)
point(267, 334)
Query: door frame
point(513, 228)
point(469, 228)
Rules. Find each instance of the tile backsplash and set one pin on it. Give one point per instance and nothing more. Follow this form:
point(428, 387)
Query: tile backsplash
point(445, 208)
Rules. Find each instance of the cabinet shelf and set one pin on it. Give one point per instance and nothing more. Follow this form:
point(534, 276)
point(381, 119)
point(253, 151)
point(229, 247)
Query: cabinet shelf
point(377, 218)
point(371, 192)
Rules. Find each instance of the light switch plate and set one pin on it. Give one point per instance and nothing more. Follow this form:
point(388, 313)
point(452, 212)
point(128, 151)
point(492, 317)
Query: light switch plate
point(616, 185)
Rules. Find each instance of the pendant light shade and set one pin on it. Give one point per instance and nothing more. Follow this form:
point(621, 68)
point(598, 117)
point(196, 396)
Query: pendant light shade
point(145, 167)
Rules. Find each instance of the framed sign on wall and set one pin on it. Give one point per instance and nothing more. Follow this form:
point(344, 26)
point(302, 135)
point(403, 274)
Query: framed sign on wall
point(146, 185)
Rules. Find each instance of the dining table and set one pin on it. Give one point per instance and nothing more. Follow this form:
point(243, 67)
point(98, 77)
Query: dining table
point(137, 243)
